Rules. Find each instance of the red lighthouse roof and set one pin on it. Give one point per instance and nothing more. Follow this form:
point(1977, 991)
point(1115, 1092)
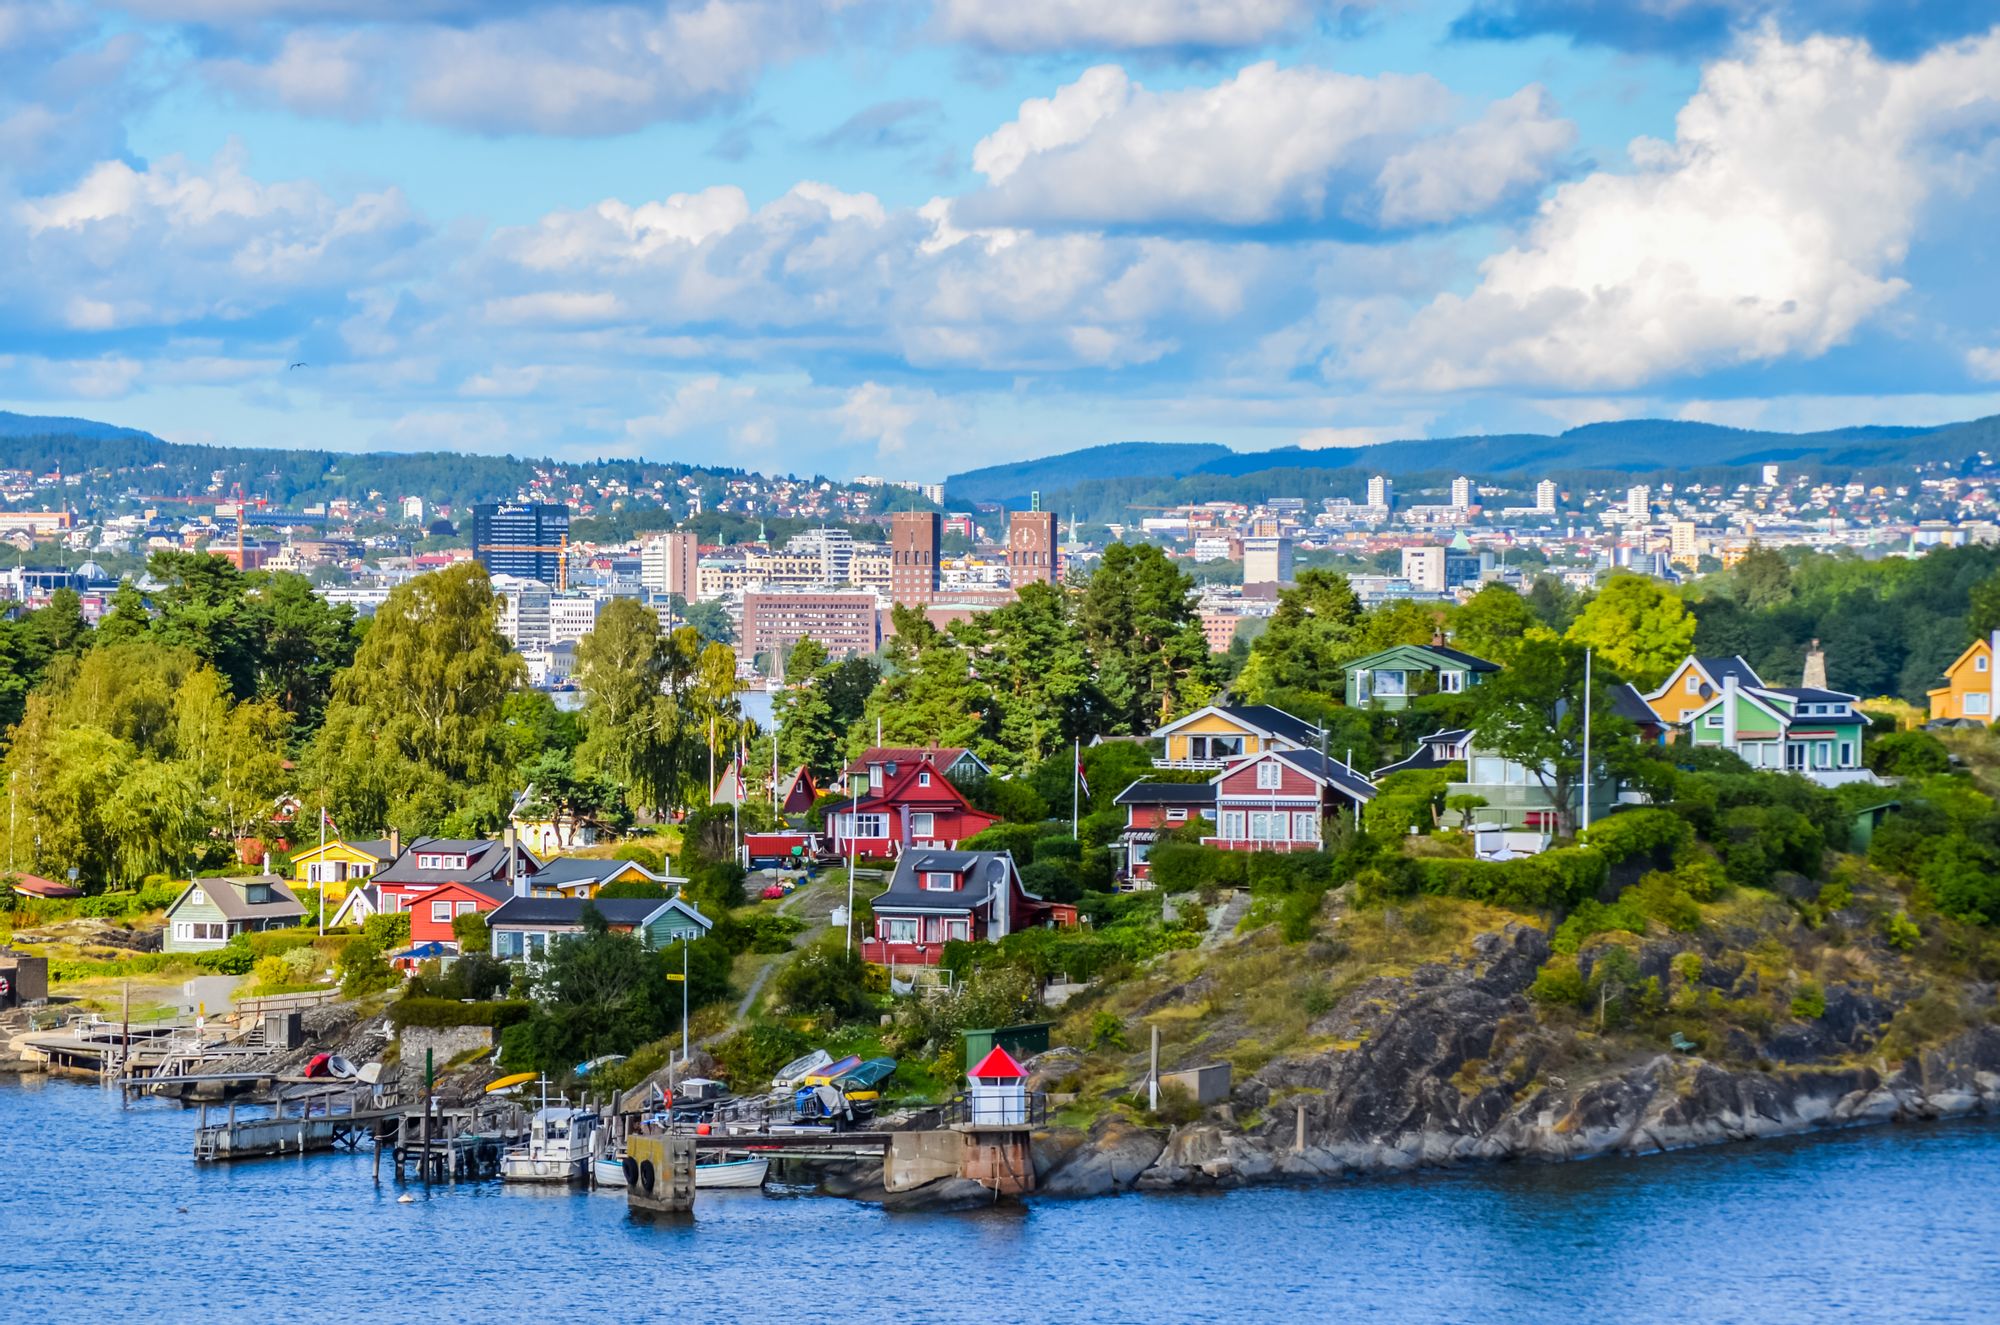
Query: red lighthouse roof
point(998, 1066)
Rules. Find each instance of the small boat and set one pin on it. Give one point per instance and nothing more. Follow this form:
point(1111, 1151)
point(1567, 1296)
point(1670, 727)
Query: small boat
point(584, 1069)
point(558, 1149)
point(340, 1067)
point(718, 1174)
point(514, 1082)
point(828, 1073)
point(792, 1074)
point(865, 1082)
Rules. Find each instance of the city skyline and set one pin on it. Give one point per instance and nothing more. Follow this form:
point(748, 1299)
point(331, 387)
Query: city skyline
point(879, 238)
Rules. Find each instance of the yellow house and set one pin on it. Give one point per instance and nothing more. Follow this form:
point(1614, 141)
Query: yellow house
point(1221, 734)
point(1970, 690)
point(338, 864)
point(1694, 683)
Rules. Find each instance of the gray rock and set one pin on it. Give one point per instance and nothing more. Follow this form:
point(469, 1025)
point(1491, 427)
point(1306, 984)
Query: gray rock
point(1110, 1159)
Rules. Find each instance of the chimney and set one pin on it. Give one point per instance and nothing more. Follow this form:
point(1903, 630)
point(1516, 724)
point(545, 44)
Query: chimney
point(395, 843)
point(267, 863)
point(1729, 709)
point(1815, 673)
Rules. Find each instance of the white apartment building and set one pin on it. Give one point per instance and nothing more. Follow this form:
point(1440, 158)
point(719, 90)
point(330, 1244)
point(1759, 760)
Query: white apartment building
point(571, 616)
point(1545, 497)
point(1423, 567)
point(1267, 560)
point(1464, 492)
point(524, 611)
point(1639, 503)
point(667, 563)
point(1382, 491)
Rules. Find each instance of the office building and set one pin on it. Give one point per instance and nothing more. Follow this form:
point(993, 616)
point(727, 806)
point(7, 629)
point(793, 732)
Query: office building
point(1545, 497)
point(914, 537)
point(528, 539)
point(832, 548)
point(1031, 548)
point(1770, 476)
point(524, 611)
point(846, 624)
point(1681, 546)
point(1464, 492)
point(572, 616)
point(1267, 561)
point(668, 564)
point(1423, 567)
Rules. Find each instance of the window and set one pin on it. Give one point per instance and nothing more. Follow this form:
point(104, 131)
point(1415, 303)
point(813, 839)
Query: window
point(467, 907)
point(924, 779)
point(1215, 747)
point(868, 825)
point(1270, 775)
point(1176, 816)
point(900, 931)
point(441, 913)
point(183, 929)
point(1979, 663)
point(1795, 756)
point(958, 929)
point(1846, 754)
point(1450, 683)
point(1715, 719)
point(1976, 704)
point(1270, 826)
point(197, 898)
point(922, 824)
point(1391, 684)
point(1305, 826)
point(1232, 825)
point(1693, 684)
point(940, 883)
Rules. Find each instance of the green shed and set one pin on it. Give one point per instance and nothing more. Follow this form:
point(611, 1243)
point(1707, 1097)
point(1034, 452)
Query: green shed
point(1023, 1041)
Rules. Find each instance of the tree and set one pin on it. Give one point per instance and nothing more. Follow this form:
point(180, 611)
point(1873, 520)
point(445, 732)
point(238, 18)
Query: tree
point(1638, 626)
point(929, 695)
point(568, 798)
point(1532, 714)
point(1553, 605)
point(306, 643)
point(1309, 642)
point(1763, 578)
point(621, 667)
point(128, 617)
point(1493, 623)
point(1033, 657)
point(1138, 620)
point(808, 730)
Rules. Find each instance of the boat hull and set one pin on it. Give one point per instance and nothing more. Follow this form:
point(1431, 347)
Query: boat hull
point(541, 1169)
point(735, 1173)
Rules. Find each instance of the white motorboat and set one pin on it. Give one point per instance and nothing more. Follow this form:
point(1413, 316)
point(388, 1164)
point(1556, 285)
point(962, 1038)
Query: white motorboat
point(722, 1173)
point(560, 1142)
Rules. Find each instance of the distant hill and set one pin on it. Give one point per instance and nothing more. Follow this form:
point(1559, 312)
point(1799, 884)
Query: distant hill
point(44, 425)
point(1011, 485)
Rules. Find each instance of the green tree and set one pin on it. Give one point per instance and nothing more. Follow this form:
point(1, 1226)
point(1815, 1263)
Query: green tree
point(307, 642)
point(929, 694)
point(596, 993)
point(809, 732)
point(1312, 637)
point(1638, 626)
point(1763, 578)
point(128, 617)
point(1032, 655)
point(1139, 623)
point(1493, 623)
point(1532, 714)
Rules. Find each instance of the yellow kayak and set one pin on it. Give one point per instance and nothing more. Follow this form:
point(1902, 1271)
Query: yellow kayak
point(509, 1083)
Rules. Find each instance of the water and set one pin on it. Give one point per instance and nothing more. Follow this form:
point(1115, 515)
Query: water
point(1881, 1224)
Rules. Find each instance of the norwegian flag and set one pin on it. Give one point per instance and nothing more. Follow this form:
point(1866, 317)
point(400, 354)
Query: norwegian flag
point(327, 824)
point(1081, 780)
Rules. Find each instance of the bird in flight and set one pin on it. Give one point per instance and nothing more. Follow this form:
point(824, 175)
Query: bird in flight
point(289, 367)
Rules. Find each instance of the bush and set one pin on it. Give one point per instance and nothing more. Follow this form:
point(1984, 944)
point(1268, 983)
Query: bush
point(1901, 932)
point(275, 942)
point(642, 889)
point(1809, 1003)
point(1055, 880)
point(233, 958)
point(753, 1055)
point(415, 1010)
point(1592, 918)
point(387, 932)
point(1963, 878)
point(1638, 832)
point(1182, 868)
point(823, 979)
point(1558, 878)
point(1660, 896)
point(1018, 839)
point(1298, 917)
point(1907, 755)
point(1559, 982)
point(1404, 801)
point(643, 856)
point(362, 967)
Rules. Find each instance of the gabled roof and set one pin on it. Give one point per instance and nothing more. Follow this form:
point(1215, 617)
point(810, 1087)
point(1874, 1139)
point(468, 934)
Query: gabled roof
point(1321, 768)
point(230, 896)
point(1143, 792)
point(1784, 719)
point(624, 912)
point(569, 871)
point(484, 859)
point(1716, 668)
point(367, 897)
point(1263, 719)
point(34, 885)
point(985, 873)
point(938, 756)
point(903, 788)
point(1811, 695)
point(1629, 704)
point(1972, 650)
point(1426, 755)
point(998, 1065)
point(377, 847)
point(1441, 656)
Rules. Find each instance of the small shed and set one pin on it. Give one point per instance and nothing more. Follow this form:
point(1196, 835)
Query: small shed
point(997, 1091)
point(23, 978)
point(1023, 1041)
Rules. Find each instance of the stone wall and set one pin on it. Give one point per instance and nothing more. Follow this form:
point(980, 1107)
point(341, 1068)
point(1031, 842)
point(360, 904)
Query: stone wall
point(444, 1042)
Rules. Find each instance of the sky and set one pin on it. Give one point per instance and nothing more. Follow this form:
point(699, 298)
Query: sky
point(910, 239)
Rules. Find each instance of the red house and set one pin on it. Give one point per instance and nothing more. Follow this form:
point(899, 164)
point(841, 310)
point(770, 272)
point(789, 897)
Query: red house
point(1281, 800)
point(935, 897)
point(1152, 810)
point(431, 914)
point(911, 804)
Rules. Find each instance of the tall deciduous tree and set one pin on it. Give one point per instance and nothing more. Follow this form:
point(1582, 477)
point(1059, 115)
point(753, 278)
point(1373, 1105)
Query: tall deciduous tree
point(1493, 624)
point(1532, 713)
point(1638, 626)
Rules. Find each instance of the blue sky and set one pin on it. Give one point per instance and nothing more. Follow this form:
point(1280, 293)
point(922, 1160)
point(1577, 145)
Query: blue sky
point(913, 238)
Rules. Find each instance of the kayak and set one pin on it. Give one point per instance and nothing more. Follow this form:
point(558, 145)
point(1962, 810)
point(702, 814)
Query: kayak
point(518, 1079)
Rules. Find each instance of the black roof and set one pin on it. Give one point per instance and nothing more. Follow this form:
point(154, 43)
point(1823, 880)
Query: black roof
point(1276, 721)
point(569, 910)
point(1331, 770)
point(1462, 658)
point(1629, 704)
point(1811, 695)
point(1143, 792)
point(984, 872)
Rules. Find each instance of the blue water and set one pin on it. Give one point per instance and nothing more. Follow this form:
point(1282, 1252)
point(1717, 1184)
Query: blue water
point(1882, 1224)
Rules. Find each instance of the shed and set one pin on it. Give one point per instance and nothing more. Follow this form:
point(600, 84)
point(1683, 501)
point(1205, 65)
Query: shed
point(26, 978)
point(1022, 1041)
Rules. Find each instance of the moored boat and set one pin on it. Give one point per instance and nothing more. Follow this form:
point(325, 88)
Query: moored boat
point(721, 1173)
point(560, 1142)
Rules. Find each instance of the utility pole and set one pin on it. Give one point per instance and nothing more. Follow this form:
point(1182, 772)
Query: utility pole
point(853, 822)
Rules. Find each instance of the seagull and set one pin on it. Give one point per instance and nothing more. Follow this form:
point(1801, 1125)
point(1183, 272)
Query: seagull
point(289, 367)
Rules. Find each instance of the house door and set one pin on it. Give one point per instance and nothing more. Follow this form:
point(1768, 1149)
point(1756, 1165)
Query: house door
point(1795, 757)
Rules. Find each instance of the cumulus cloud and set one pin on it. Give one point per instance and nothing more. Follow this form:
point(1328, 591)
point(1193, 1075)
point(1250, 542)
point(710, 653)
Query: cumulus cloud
point(1269, 147)
point(1895, 27)
point(64, 89)
point(1983, 362)
point(567, 69)
point(1025, 26)
point(177, 242)
point(1773, 225)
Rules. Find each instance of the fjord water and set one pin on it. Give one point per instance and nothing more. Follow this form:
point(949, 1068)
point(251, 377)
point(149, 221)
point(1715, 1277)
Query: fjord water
point(1886, 1223)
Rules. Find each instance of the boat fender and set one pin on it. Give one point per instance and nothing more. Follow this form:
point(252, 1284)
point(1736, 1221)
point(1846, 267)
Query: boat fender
point(631, 1167)
point(646, 1176)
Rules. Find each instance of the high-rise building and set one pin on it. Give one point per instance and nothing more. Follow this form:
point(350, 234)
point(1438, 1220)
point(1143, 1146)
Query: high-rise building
point(914, 537)
point(413, 509)
point(571, 616)
point(1770, 476)
point(668, 563)
point(521, 538)
point(1382, 491)
point(1031, 548)
point(1464, 492)
point(1423, 567)
point(524, 611)
point(1681, 545)
point(846, 624)
point(1267, 561)
point(1545, 497)
point(834, 550)
point(1639, 503)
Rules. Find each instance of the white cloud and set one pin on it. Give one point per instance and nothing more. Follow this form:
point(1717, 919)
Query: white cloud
point(64, 89)
point(1270, 146)
point(177, 241)
point(1983, 363)
point(882, 415)
point(1022, 26)
point(1772, 226)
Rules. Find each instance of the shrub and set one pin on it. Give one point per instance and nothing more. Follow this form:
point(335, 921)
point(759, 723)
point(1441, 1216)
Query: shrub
point(1298, 917)
point(1907, 754)
point(754, 1054)
point(233, 958)
point(1017, 838)
point(273, 942)
point(1809, 1003)
point(1055, 880)
point(1964, 880)
point(1183, 868)
point(1688, 966)
point(643, 856)
point(823, 979)
point(1591, 918)
point(643, 889)
point(1559, 982)
point(1638, 832)
point(1107, 1031)
point(387, 932)
point(362, 967)
point(1900, 931)
point(1557, 878)
point(1659, 895)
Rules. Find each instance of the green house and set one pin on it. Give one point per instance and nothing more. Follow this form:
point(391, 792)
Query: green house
point(1793, 729)
point(1392, 678)
point(210, 912)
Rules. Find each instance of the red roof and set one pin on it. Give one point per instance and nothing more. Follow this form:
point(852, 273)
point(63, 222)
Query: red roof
point(998, 1066)
point(32, 885)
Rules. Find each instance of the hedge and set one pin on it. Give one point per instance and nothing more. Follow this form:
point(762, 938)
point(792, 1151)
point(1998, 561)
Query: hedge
point(435, 1012)
point(1558, 878)
point(1638, 832)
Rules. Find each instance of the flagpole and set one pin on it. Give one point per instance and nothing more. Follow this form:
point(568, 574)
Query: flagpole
point(322, 869)
point(1076, 789)
point(1586, 740)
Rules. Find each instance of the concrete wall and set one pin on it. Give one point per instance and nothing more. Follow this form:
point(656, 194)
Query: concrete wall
point(916, 1158)
point(444, 1042)
point(1208, 1085)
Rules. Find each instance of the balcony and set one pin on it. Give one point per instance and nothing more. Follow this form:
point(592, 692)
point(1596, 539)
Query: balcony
point(882, 952)
point(1259, 844)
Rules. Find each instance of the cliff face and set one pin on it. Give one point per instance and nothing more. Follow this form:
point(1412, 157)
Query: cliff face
point(1454, 1062)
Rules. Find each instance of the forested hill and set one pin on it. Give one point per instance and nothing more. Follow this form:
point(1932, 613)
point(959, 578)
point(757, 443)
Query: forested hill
point(1102, 478)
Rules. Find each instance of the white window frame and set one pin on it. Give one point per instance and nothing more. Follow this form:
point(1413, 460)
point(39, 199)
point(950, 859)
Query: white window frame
point(197, 898)
point(897, 929)
point(1693, 684)
point(1270, 776)
point(1451, 683)
point(1232, 826)
point(1391, 683)
point(441, 913)
point(957, 929)
point(1270, 826)
point(871, 825)
point(1178, 816)
point(1846, 754)
point(466, 908)
point(1976, 704)
point(923, 823)
point(924, 778)
point(1305, 826)
point(939, 881)
point(1979, 663)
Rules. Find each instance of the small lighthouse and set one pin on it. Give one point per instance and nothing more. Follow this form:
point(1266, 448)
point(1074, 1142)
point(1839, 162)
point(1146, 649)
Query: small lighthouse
point(997, 1091)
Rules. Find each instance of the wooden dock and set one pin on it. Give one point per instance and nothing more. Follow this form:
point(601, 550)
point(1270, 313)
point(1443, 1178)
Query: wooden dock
point(293, 1127)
